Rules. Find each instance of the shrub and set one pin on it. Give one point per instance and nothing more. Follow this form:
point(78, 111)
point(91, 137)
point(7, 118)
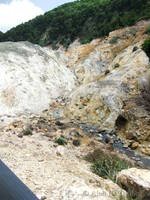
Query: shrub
point(106, 166)
point(113, 40)
point(1, 36)
point(42, 42)
point(107, 71)
point(66, 43)
point(135, 49)
point(61, 141)
point(27, 131)
point(85, 40)
point(147, 29)
point(146, 47)
point(116, 65)
point(54, 46)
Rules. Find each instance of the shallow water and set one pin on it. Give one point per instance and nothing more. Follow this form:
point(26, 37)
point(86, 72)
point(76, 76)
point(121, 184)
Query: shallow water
point(139, 159)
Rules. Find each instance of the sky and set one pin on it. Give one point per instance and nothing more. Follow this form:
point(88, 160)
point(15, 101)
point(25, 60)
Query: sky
point(14, 12)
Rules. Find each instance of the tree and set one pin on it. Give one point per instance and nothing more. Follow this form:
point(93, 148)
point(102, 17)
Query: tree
point(83, 19)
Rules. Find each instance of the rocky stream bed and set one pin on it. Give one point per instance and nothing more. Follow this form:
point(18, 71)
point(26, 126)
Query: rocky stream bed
point(93, 95)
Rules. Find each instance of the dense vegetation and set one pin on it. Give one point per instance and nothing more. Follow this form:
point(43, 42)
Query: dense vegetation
point(1, 34)
point(146, 47)
point(146, 44)
point(84, 19)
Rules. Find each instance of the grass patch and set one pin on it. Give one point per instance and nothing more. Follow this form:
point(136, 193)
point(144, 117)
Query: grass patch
point(129, 198)
point(106, 166)
point(61, 141)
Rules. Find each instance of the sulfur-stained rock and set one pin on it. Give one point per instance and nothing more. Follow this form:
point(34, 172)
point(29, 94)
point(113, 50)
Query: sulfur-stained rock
point(80, 84)
point(145, 149)
point(134, 145)
point(114, 102)
point(31, 77)
point(91, 68)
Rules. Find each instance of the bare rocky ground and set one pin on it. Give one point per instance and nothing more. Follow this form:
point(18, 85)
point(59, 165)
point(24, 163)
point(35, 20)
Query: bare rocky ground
point(52, 171)
point(100, 84)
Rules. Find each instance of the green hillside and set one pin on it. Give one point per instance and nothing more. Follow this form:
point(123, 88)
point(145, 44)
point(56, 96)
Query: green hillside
point(1, 34)
point(84, 19)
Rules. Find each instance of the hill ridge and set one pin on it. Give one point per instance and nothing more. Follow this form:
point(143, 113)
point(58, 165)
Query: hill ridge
point(85, 19)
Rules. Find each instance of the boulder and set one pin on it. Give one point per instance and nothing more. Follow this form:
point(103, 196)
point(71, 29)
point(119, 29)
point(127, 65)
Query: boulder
point(134, 145)
point(31, 77)
point(101, 100)
point(136, 181)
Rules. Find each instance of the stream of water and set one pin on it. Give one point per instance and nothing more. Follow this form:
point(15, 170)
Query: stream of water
point(139, 159)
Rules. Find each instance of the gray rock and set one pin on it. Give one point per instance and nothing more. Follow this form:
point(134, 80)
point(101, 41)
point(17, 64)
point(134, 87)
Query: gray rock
point(76, 143)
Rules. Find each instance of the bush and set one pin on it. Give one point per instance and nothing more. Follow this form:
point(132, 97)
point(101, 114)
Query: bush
point(85, 40)
point(146, 47)
point(61, 141)
point(54, 46)
point(1, 36)
point(42, 42)
point(116, 65)
point(135, 49)
point(107, 71)
point(66, 43)
point(106, 166)
point(113, 40)
point(27, 131)
point(147, 30)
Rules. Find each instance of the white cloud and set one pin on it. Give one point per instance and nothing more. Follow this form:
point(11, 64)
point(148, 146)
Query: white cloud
point(17, 12)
